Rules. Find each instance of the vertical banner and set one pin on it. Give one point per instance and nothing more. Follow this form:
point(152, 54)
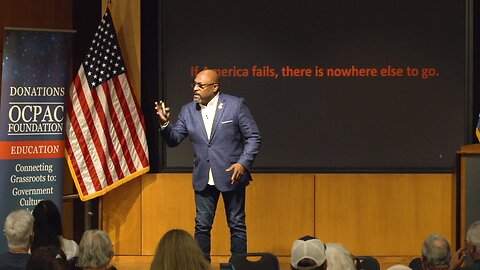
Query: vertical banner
point(35, 78)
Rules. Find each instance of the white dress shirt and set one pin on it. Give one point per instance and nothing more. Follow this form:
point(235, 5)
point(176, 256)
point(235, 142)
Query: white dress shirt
point(208, 114)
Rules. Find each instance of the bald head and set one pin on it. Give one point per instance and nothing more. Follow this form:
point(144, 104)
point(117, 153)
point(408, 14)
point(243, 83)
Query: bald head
point(209, 75)
point(436, 252)
point(206, 86)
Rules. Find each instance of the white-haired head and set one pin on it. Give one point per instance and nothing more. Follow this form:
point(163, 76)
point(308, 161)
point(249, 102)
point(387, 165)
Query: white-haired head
point(338, 257)
point(18, 228)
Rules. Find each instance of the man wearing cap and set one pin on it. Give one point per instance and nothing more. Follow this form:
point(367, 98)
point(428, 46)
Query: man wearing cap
point(308, 253)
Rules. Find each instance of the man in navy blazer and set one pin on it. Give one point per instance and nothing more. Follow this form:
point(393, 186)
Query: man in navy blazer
point(225, 141)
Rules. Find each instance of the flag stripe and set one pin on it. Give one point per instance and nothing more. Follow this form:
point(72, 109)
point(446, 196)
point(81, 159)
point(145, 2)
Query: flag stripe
point(115, 129)
point(71, 142)
point(84, 137)
point(140, 132)
point(74, 165)
point(94, 135)
point(477, 129)
point(114, 162)
point(133, 138)
point(74, 149)
point(116, 114)
point(102, 142)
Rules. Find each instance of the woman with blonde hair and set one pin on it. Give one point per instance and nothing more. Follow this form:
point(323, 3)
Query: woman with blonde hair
point(177, 250)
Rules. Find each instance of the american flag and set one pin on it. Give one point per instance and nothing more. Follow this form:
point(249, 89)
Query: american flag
point(105, 130)
point(477, 129)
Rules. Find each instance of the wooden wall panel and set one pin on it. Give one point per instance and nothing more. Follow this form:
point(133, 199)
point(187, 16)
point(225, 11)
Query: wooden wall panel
point(122, 217)
point(384, 214)
point(463, 201)
point(167, 203)
point(279, 210)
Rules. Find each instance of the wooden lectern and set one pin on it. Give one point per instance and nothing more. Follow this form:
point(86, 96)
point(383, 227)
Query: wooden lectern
point(468, 179)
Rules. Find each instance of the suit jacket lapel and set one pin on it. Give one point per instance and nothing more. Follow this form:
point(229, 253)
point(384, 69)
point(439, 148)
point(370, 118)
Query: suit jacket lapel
point(198, 117)
point(218, 115)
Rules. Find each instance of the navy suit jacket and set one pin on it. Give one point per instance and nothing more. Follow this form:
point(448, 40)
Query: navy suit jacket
point(234, 138)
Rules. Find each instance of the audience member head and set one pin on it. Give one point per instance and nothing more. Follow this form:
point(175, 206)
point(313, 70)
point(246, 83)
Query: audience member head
point(436, 253)
point(178, 250)
point(308, 253)
point(338, 257)
point(96, 250)
point(18, 229)
point(47, 226)
point(47, 258)
point(473, 240)
point(399, 267)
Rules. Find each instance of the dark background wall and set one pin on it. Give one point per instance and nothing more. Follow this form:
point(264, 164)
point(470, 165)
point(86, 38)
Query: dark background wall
point(395, 124)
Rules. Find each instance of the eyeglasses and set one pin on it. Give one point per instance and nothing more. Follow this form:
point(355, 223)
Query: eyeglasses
point(201, 85)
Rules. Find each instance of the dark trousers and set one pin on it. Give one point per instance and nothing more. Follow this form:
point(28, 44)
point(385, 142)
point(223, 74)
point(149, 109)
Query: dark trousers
point(206, 204)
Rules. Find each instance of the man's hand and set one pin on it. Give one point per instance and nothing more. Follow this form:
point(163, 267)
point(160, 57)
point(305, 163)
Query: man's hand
point(238, 172)
point(162, 112)
point(457, 259)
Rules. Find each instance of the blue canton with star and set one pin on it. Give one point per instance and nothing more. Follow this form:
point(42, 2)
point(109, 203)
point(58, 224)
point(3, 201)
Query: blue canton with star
point(104, 59)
